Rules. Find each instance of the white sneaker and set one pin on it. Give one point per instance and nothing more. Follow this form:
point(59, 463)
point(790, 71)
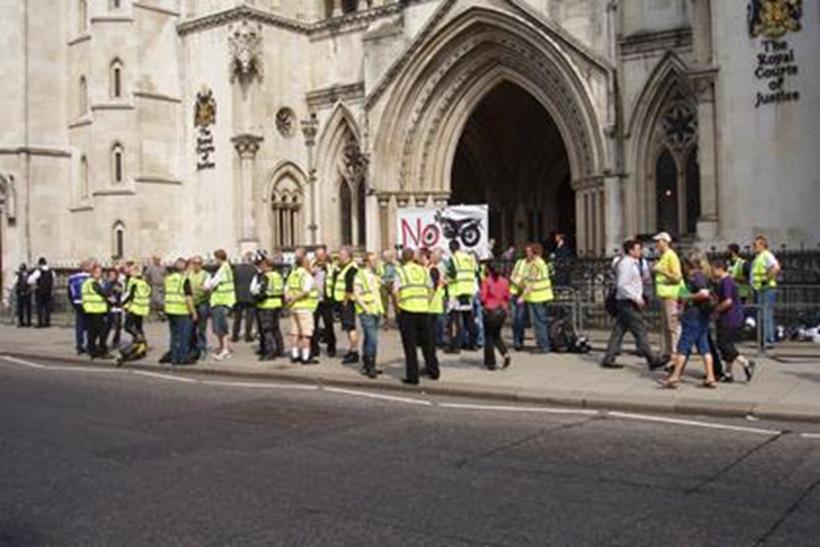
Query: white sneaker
point(221, 355)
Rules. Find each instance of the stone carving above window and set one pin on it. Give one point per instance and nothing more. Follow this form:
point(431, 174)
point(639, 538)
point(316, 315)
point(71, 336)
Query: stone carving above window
point(354, 162)
point(679, 123)
point(286, 122)
point(245, 43)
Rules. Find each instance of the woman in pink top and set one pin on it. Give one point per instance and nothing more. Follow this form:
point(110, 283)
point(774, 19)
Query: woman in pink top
point(495, 295)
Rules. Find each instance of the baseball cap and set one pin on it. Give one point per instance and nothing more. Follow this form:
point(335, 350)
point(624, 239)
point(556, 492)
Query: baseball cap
point(663, 236)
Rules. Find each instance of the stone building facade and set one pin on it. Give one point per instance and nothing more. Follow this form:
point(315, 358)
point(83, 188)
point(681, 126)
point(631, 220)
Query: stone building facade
point(140, 127)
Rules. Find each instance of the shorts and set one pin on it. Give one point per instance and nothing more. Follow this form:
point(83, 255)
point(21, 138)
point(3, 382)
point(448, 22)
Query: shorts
point(347, 314)
point(301, 323)
point(727, 337)
point(219, 322)
point(694, 332)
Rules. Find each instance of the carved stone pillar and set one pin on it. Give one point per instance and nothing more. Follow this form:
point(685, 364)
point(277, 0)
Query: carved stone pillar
point(703, 85)
point(613, 207)
point(247, 145)
point(309, 130)
point(384, 220)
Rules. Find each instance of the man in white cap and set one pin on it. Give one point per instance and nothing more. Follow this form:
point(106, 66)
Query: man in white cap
point(668, 281)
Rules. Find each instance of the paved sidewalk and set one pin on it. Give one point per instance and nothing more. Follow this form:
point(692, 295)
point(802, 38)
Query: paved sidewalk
point(781, 390)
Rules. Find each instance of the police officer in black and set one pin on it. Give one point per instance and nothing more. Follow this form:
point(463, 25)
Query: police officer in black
point(22, 293)
point(43, 280)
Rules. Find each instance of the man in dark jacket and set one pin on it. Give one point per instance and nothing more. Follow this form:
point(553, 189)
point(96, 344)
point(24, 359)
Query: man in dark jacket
point(244, 274)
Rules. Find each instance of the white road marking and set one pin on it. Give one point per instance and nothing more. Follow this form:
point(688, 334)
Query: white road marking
point(503, 408)
point(810, 435)
point(694, 423)
point(256, 385)
point(72, 368)
point(22, 362)
point(377, 396)
point(164, 376)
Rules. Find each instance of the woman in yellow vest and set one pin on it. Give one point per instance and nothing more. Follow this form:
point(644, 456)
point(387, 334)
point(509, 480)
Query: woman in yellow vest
point(268, 289)
point(367, 297)
point(302, 297)
point(668, 283)
point(137, 301)
point(95, 308)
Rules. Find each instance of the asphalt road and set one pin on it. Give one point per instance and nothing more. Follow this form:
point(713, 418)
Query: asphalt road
point(94, 458)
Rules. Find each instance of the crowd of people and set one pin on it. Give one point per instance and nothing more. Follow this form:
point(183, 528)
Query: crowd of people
point(693, 293)
point(450, 303)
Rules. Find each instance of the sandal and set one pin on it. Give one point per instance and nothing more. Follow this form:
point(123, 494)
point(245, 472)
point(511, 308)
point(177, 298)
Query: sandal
point(668, 383)
point(709, 384)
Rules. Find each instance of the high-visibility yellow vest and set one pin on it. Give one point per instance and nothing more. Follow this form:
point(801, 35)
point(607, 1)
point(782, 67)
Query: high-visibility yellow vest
point(664, 287)
point(737, 273)
point(339, 286)
point(295, 282)
point(414, 288)
point(539, 282)
point(517, 277)
point(175, 295)
point(759, 280)
point(224, 294)
point(197, 280)
point(141, 303)
point(93, 303)
point(437, 301)
point(328, 288)
point(464, 282)
point(273, 292)
point(369, 285)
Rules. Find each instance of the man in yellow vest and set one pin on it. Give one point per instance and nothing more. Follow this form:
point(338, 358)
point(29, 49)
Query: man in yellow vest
point(322, 270)
point(461, 287)
point(269, 291)
point(739, 271)
point(301, 297)
point(222, 300)
point(343, 279)
point(518, 311)
point(95, 308)
point(137, 301)
point(198, 276)
point(765, 269)
point(179, 308)
point(537, 292)
point(367, 297)
point(668, 283)
point(412, 291)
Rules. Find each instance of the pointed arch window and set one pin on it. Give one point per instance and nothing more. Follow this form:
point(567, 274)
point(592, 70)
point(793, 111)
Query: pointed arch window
point(82, 16)
point(353, 192)
point(346, 212)
point(116, 76)
point(82, 96)
point(118, 240)
point(117, 164)
point(286, 217)
point(674, 164)
point(85, 190)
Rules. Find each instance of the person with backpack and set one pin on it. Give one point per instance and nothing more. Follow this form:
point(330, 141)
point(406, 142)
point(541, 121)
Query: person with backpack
point(42, 280)
point(627, 303)
point(698, 306)
point(22, 293)
point(495, 297)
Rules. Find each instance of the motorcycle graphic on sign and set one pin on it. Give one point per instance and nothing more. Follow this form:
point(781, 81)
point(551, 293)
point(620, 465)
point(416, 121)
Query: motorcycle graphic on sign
point(434, 228)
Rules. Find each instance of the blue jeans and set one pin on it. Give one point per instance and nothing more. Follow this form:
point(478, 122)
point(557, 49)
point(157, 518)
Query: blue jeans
point(370, 328)
point(441, 328)
point(202, 312)
point(517, 312)
point(180, 327)
point(540, 325)
point(694, 332)
point(79, 328)
point(766, 299)
point(478, 313)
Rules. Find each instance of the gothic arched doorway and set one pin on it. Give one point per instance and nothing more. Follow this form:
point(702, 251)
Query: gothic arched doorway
point(511, 156)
